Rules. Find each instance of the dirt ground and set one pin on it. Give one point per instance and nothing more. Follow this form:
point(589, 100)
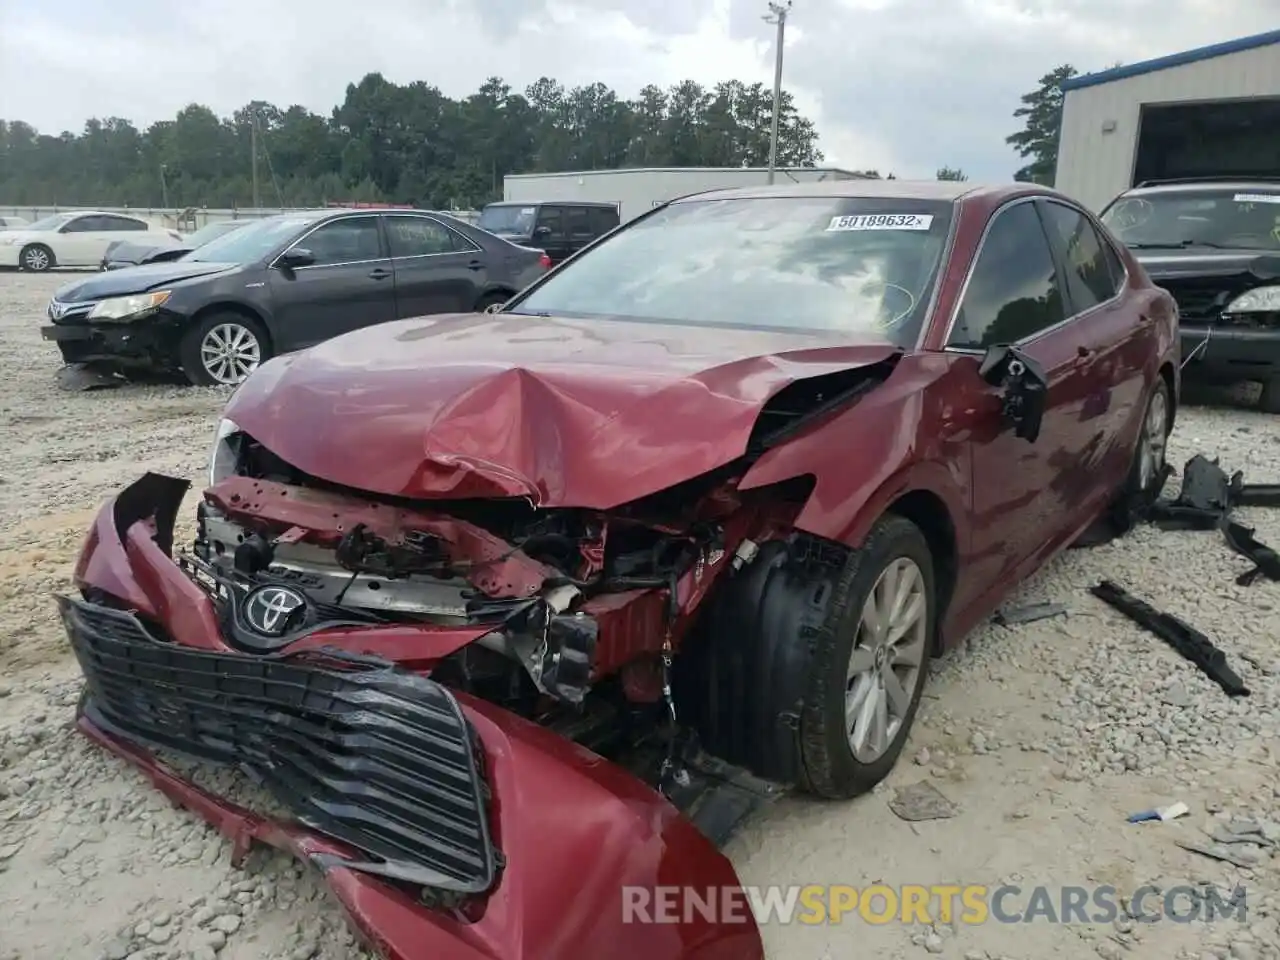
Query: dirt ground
point(1044, 736)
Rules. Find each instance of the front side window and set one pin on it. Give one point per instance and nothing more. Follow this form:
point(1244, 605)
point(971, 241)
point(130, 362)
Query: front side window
point(1013, 291)
point(1230, 218)
point(349, 240)
point(860, 266)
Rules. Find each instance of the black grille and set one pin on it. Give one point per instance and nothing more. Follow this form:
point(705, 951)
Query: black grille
point(371, 755)
point(1202, 301)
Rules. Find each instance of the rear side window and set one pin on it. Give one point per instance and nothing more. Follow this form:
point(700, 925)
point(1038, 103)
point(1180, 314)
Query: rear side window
point(1089, 276)
point(418, 237)
point(578, 223)
point(603, 219)
point(1013, 291)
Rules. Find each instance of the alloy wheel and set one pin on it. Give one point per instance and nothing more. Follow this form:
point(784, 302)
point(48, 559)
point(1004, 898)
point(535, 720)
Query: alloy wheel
point(888, 654)
point(1154, 439)
point(230, 352)
point(36, 259)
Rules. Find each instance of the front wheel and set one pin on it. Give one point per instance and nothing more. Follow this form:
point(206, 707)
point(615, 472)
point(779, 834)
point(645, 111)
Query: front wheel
point(490, 302)
point(36, 258)
point(1147, 471)
point(869, 671)
point(223, 350)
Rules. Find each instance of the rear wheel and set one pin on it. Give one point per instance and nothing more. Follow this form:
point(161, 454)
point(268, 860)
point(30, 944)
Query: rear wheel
point(36, 258)
point(223, 350)
point(491, 301)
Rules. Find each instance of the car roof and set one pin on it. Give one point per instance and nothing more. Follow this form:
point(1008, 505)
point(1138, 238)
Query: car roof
point(1200, 184)
point(944, 190)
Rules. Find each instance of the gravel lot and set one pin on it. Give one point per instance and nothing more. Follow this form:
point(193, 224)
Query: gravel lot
point(1046, 736)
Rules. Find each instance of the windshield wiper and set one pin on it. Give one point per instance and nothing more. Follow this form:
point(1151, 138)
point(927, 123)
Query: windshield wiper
point(1178, 245)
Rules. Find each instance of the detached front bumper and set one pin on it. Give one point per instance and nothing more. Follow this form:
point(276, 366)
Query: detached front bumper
point(151, 342)
point(403, 791)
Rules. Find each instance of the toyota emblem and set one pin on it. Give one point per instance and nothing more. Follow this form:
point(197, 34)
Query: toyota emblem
point(269, 609)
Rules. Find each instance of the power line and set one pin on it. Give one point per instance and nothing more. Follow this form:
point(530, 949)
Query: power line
point(777, 15)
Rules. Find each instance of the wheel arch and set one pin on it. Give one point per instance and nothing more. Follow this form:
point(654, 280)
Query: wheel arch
point(234, 306)
point(930, 514)
point(1170, 377)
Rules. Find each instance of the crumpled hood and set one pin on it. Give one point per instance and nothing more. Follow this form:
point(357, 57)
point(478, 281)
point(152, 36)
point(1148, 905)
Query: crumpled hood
point(586, 413)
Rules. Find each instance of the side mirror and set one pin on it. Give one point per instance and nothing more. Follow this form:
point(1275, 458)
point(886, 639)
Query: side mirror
point(542, 231)
point(1023, 387)
point(297, 257)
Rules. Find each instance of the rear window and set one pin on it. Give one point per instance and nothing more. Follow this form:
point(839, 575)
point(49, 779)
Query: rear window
point(1231, 218)
point(779, 263)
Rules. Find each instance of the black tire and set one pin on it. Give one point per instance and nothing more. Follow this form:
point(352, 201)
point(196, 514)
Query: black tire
point(36, 258)
point(192, 353)
point(491, 300)
point(1269, 399)
point(828, 765)
point(1140, 492)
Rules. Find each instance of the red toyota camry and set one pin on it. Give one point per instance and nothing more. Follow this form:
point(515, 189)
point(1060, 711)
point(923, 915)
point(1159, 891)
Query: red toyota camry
point(519, 613)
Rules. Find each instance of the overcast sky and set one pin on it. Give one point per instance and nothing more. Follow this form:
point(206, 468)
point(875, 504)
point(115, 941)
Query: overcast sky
point(898, 85)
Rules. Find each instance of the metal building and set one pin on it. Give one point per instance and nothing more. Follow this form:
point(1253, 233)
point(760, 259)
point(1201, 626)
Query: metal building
point(1206, 112)
point(643, 188)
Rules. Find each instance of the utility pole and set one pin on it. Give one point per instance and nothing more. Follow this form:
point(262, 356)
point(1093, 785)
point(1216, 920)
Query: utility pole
point(164, 185)
point(778, 15)
point(253, 149)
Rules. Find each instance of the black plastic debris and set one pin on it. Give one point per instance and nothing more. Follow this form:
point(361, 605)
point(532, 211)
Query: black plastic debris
point(1012, 616)
point(1179, 634)
point(1203, 502)
point(1266, 562)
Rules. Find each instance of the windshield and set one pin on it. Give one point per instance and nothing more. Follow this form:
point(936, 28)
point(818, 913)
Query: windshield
point(251, 243)
point(1229, 218)
point(50, 223)
point(513, 219)
point(862, 266)
point(212, 231)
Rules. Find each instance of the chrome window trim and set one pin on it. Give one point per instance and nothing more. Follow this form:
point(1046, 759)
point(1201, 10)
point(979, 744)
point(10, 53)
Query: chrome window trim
point(473, 247)
point(324, 223)
point(947, 347)
point(944, 259)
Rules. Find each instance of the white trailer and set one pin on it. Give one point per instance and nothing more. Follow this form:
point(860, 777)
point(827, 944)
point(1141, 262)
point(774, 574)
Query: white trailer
point(638, 190)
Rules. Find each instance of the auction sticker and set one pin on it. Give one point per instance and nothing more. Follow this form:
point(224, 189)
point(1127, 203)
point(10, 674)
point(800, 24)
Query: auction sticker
point(1257, 198)
point(882, 221)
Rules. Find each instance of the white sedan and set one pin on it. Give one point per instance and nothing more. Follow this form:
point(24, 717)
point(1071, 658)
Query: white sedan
point(75, 239)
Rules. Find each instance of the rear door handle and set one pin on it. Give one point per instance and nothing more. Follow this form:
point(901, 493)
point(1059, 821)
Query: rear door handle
point(379, 273)
point(475, 265)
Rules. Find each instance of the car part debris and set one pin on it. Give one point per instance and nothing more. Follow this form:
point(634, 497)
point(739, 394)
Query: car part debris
point(1023, 385)
point(1203, 502)
point(1266, 562)
point(922, 801)
point(1223, 852)
point(78, 377)
point(1171, 812)
point(1012, 616)
point(1179, 634)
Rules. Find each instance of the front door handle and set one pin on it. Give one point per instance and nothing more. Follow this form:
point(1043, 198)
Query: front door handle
point(475, 265)
point(1083, 352)
point(379, 273)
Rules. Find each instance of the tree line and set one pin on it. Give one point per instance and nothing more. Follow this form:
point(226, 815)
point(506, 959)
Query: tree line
point(412, 144)
point(397, 143)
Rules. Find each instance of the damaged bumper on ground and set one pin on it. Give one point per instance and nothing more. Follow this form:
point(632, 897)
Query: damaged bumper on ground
point(446, 826)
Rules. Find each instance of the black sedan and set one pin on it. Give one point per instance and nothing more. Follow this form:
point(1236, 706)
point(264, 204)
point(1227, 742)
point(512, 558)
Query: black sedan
point(128, 253)
point(281, 284)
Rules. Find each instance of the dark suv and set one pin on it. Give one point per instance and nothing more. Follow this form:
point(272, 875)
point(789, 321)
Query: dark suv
point(1215, 245)
point(559, 227)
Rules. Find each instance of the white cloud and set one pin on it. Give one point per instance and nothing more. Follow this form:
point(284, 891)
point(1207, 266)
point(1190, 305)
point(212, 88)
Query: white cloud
point(901, 85)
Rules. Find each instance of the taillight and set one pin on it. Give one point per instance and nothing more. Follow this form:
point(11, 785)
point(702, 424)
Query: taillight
point(545, 262)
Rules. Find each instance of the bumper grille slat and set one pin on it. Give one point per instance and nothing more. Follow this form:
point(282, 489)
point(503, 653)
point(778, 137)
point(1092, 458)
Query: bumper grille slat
point(373, 756)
